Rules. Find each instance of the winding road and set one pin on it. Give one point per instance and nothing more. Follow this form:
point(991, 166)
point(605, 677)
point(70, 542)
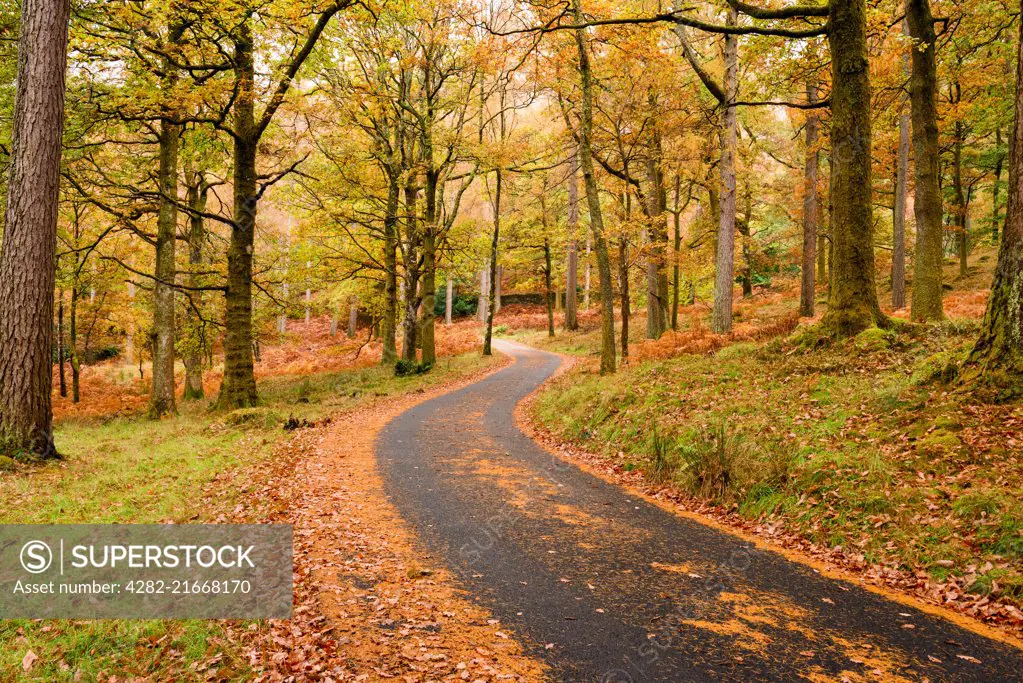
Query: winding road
point(604, 586)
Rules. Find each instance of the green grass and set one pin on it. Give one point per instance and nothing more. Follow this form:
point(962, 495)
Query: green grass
point(132, 470)
point(857, 444)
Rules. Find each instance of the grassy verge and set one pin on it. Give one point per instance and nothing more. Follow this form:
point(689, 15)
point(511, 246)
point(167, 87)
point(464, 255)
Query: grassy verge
point(859, 448)
point(130, 470)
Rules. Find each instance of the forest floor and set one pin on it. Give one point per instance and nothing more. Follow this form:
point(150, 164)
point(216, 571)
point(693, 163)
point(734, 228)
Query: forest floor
point(606, 584)
point(365, 604)
point(856, 455)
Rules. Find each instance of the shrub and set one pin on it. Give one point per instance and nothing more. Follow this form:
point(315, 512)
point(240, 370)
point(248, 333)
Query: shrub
point(710, 462)
point(663, 459)
point(717, 464)
point(107, 353)
point(462, 305)
point(410, 368)
point(262, 418)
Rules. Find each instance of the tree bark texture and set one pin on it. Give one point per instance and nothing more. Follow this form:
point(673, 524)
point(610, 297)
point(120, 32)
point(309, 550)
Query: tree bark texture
point(197, 345)
point(808, 286)
point(608, 363)
point(238, 389)
point(852, 304)
point(927, 210)
point(997, 358)
point(572, 269)
point(27, 255)
point(161, 400)
point(724, 278)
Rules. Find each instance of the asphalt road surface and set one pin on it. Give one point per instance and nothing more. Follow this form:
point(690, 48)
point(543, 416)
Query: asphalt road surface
point(604, 586)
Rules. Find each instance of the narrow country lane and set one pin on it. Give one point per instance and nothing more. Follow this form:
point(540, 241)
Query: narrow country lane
point(604, 586)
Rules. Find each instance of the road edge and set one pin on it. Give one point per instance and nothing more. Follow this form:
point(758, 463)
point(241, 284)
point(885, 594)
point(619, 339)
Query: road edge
point(599, 466)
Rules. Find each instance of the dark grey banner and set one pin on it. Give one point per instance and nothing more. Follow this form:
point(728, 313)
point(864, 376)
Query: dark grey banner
point(146, 571)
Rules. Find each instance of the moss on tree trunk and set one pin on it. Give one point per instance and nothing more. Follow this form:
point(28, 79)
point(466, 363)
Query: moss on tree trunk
point(389, 323)
point(238, 389)
point(927, 209)
point(996, 362)
point(161, 400)
point(808, 284)
point(852, 304)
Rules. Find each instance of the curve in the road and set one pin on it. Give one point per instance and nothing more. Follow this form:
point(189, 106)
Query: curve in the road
point(605, 586)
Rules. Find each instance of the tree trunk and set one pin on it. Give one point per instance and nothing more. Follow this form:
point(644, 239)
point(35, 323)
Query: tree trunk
point(492, 275)
point(129, 335)
point(481, 306)
point(623, 288)
point(282, 319)
point(657, 278)
point(996, 187)
point(410, 322)
point(927, 211)
point(192, 358)
point(429, 316)
point(353, 317)
point(389, 324)
point(548, 285)
point(308, 296)
point(586, 276)
point(743, 228)
point(27, 254)
point(823, 246)
point(76, 364)
point(238, 389)
point(677, 248)
point(997, 358)
point(608, 362)
point(572, 269)
point(497, 289)
point(961, 224)
point(808, 287)
point(831, 265)
point(161, 400)
point(449, 301)
point(61, 352)
point(899, 217)
point(724, 278)
point(852, 305)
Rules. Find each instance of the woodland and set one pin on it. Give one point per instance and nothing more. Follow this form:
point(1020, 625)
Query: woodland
point(780, 245)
